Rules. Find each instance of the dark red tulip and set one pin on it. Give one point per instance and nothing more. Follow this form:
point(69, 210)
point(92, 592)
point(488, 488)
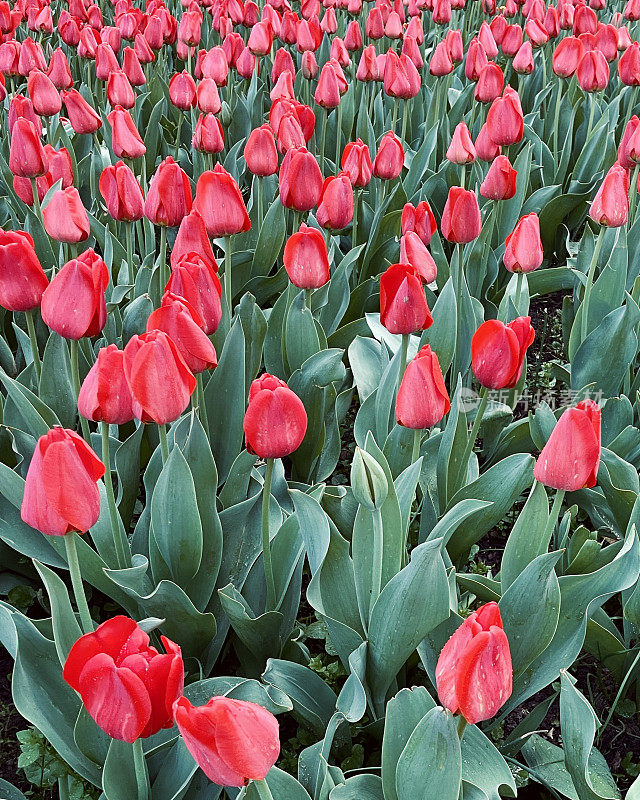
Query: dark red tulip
point(461, 221)
point(169, 196)
point(121, 192)
point(305, 258)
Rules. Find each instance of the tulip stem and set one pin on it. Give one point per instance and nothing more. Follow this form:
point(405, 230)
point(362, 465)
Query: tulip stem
point(36, 200)
point(589, 285)
point(482, 406)
point(405, 119)
point(354, 228)
point(516, 301)
point(377, 558)
point(462, 726)
point(75, 374)
point(142, 775)
point(307, 299)
point(164, 444)
point(403, 356)
point(34, 343)
point(633, 193)
point(178, 132)
point(118, 534)
point(458, 292)
point(129, 238)
point(76, 582)
point(163, 258)
point(202, 408)
point(264, 792)
point(227, 275)
point(592, 107)
point(553, 515)
point(556, 118)
point(259, 202)
point(266, 544)
point(417, 439)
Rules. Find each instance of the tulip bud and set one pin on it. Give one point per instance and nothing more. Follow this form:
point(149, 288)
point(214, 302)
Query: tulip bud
point(368, 480)
point(300, 180)
point(169, 196)
point(121, 192)
point(461, 221)
point(523, 248)
point(220, 202)
point(422, 399)
point(610, 206)
point(419, 219)
point(335, 209)
point(389, 159)
point(275, 422)
point(403, 305)
point(461, 149)
point(500, 180)
point(22, 279)
point(505, 122)
point(27, 158)
point(65, 218)
point(104, 395)
point(356, 162)
point(126, 142)
point(183, 325)
point(305, 259)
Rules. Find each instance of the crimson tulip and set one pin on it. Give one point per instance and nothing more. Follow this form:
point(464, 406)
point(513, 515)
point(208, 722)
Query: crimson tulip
point(260, 152)
point(422, 399)
point(305, 258)
point(192, 238)
point(219, 201)
point(65, 218)
point(610, 206)
point(121, 192)
point(126, 142)
point(523, 248)
point(389, 159)
point(22, 279)
point(419, 219)
point(105, 395)
point(27, 158)
point(461, 221)
point(335, 209)
point(414, 251)
point(498, 352)
point(169, 196)
point(194, 279)
point(500, 180)
point(300, 180)
point(403, 305)
point(183, 325)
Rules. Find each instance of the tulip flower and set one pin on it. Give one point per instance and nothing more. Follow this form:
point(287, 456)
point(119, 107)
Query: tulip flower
point(413, 251)
point(422, 399)
point(182, 91)
point(126, 685)
point(194, 279)
point(419, 219)
point(403, 305)
point(44, 95)
point(119, 90)
point(27, 158)
point(275, 423)
point(82, 116)
point(593, 72)
point(160, 381)
point(169, 196)
point(105, 395)
point(183, 325)
point(461, 221)
point(65, 218)
point(192, 238)
point(474, 674)
point(208, 97)
point(60, 165)
point(569, 460)
point(336, 206)
point(260, 152)
point(305, 259)
point(500, 180)
point(126, 142)
point(523, 248)
point(610, 206)
point(356, 162)
point(208, 136)
point(232, 741)
point(121, 193)
point(505, 122)
point(22, 279)
point(219, 200)
point(461, 150)
point(498, 352)
point(567, 56)
point(389, 159)
point(300, 180)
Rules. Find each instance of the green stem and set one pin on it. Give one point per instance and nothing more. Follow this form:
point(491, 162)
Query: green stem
point(394, 116)
point(202, 408)
point(405, 119)
point(462, 725)
point(354, 229)
point(119, 537)
point(307, 299)
point(227, 275)
point(164, 444)
point(259, 201)
point(76, 582)
point(417, 438)
point(484, 399)
point(592, 108)
point(75, 375)
point(516, 302)
point(128, 226)
point(556, 117)
point(463, 175)
point(264, 792)
point(34, 343)
point(403, 356)
point(377, 558)
point(589, 286)
point(63, 787)
point(164, 277)
point(178, 132)
point(266, 544)
point(142, 774)
point(458, 291)
point(553, 515)
point(36, 200)
point(633, 193)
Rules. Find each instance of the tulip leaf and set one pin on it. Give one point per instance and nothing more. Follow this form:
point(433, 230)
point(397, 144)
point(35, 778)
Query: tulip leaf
point(66, 629)
point(526, 540)
point(270, 239)
point(56, 385)
point(313, 701)
point(359, 787)
point(431, 763)
point(280, 784)
point(119, 779)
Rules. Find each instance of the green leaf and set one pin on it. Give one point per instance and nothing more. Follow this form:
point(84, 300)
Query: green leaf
point(281, 784)
point(119, 780)
point(312, 699)
point(359, 787)
point(66, 630)
point(56, 384)
point(270, 240)
point(9, 792)
point(430, 765)
point(526, 540)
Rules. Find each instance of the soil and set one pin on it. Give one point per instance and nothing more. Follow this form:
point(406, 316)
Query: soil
point(10, 723)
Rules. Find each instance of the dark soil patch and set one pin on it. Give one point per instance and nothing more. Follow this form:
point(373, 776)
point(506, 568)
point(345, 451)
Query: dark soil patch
point(10, 723)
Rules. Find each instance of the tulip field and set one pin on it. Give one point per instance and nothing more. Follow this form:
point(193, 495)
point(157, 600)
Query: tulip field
point(319, 399)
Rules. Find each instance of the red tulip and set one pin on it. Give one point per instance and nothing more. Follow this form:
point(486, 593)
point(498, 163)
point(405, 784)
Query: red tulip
point(356, 162)
point(65, 218)
point(593, 72)
point(474, 674)
point(232, 741)
point(182, 91)
point(567, 56)
point(498, 352)
point(461, 221)
point(422, 399)
point(389, 159)
point(73, 304)
point(160, 381)
point(219, 201)
point(127, 686)
point(629, 65)
point(512, 40)
point(208, 97)
point(105, 395)
point(169, 196)
point(119, 90)
point(82, 116)
point(22, 107)
point(401, 78)
point(300, 180)
point(275, 421)
point(305, 259)
point(419, 219)
point(44, 95)
point(60, 491)
point(22, 279)
point(569, 460)
point(491, 79)
point(461, 149)
point(121, 192)
point(414, 251)
point(486, 148)
point(441, 63)
point(500, 180)
point(505, 122)
point(192, 238)
point(335, 209)
point(523, 62)
point(260, 152)
point(523, 248)
point(59, 70)
point(327, 92)
point(629, 149)
point(126, 142)
point(208, 136)
point(194, 279)
point(403, 305)
point(610, 206)
point(183, 325)
point(27, 158)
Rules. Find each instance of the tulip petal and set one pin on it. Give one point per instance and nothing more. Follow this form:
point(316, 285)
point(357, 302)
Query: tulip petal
point(484, 676)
